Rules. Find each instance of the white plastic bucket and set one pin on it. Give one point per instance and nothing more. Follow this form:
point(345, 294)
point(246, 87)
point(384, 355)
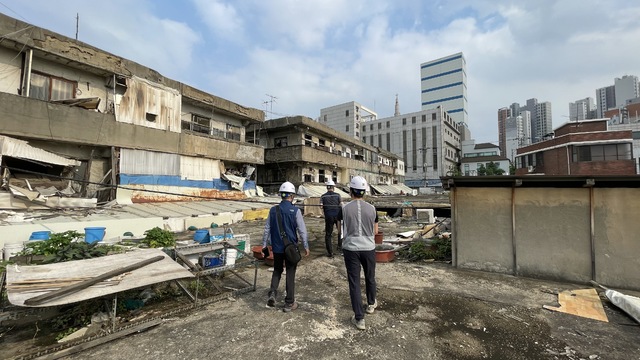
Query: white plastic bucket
point(230, 256)
point(10, 250)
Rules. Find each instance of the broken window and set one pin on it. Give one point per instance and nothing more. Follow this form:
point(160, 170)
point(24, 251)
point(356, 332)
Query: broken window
point(321, 177)
point(233, 132)
point(46, 87)
point(199, 124)
point(280, 142)
point(307, 178)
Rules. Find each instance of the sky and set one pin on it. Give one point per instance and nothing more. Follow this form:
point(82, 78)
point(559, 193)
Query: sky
point(308, 55)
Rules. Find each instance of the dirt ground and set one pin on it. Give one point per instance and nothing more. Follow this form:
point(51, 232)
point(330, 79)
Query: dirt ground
point(426, 311)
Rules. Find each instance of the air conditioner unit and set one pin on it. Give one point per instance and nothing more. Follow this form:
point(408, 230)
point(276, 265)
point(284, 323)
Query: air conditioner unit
point(530, 168)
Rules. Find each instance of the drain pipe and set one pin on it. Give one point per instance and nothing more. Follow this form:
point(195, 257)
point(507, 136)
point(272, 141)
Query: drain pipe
point(568, 161)
point(27, 72)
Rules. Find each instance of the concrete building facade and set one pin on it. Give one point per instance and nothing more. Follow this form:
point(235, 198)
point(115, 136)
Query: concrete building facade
point(606, 100)
point(301, 150)
point(428, 142)
point(583, 109)
point(347, 117)
point(586, 147)
point(126, 123)
point(626, 88)
point(444, 83)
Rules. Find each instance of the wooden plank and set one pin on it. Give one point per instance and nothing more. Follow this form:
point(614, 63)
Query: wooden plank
point(101, 340)
point(584, 303)
point(161, 271)
point(37, 300)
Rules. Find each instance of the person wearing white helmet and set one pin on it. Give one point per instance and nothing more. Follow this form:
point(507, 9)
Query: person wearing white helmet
point(330, 204)
point(293, 224)
point(360, 223)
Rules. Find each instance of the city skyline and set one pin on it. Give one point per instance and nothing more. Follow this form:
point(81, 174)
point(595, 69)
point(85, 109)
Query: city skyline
point(311, 56)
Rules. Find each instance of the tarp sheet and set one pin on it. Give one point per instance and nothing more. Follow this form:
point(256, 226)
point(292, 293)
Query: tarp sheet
point(629, 304)
point(157, 272)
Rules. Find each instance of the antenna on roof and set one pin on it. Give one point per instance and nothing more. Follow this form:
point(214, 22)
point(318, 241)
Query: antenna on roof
point(270, 102)
point(77, 24)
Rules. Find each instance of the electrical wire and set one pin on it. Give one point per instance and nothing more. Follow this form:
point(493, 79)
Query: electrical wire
point(116, 186)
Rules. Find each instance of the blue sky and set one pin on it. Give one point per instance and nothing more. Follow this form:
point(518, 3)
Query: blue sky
point(315, 54)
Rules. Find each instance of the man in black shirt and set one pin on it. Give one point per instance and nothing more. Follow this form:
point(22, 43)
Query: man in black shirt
point(330, 204)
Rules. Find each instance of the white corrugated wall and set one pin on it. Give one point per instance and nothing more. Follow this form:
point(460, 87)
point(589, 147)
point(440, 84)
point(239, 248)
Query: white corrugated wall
point(193, 168)
point(142, 162)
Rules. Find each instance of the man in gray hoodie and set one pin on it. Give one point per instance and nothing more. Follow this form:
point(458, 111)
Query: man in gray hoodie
point(360, 221)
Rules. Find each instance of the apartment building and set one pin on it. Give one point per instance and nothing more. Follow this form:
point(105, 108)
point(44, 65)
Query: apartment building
point(303, 151)
point(120, 122)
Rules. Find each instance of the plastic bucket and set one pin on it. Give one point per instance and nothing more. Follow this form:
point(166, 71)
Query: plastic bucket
point(10, 250)
point(40, 235)
point(378, 238)
point(230, 256)
point(93, 234)
point(201, 236)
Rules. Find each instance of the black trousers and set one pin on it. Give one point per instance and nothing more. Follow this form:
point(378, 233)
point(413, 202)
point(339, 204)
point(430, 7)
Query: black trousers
point(329, 222)
point(353, 260)
point(279, 263)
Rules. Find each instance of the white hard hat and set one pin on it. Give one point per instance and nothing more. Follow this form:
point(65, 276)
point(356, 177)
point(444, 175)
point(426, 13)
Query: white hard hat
point(330, 183)
point(358, 183)
point(287, 187)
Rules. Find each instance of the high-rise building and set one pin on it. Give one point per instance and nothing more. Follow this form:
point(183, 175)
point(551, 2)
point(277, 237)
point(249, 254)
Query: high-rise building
point(346, 117)
point(626, 88)
point(444, 83)
point(542, 126)
point(518, 133)
point(606, 98)
point(540, 120)
point(583, 109)
point(503, 114)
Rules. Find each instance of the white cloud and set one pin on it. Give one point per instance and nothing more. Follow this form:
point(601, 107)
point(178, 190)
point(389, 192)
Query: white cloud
point(124, 28)
point(223, 19)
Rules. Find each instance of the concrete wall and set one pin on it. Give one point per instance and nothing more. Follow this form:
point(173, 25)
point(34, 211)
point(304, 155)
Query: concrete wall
point(552, 233)
point(37, 119)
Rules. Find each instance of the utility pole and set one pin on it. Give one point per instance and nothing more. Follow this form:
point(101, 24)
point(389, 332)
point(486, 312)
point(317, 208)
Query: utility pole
point(77, 23)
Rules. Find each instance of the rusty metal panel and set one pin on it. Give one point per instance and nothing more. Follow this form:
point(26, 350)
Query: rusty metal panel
point(151, 105)
point(162, 193)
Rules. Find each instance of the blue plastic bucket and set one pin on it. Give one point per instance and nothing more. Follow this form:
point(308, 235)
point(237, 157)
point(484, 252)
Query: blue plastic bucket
point(93, 234)
point(201, 236)
point(40, 235)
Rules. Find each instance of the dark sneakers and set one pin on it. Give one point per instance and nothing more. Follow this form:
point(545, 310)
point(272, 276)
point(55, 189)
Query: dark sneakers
point(272, 300)
point(290, 307)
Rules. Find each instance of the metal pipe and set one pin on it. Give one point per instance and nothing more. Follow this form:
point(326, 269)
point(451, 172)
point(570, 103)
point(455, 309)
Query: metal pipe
point(592, 229)
point(513, 231)
point(454, 225)
point(27, 84)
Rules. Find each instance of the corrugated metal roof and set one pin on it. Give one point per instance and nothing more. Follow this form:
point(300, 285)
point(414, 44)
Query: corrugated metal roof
point(393, 189)
point(22, 150)
point(309, 190)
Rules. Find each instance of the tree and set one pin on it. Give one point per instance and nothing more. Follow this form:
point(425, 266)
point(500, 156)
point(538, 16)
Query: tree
point(490, 170)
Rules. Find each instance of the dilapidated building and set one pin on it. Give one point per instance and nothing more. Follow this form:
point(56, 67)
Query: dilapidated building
point(301, 150)
point(117, 122)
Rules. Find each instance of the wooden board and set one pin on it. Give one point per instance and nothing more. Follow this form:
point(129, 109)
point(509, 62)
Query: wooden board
point(161, 271)
point(584, 303)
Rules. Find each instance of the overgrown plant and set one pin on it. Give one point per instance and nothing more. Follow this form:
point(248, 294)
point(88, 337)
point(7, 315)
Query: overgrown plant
point(78, 251)
point(438, 249)
point(157, 238)
point(51, 246)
